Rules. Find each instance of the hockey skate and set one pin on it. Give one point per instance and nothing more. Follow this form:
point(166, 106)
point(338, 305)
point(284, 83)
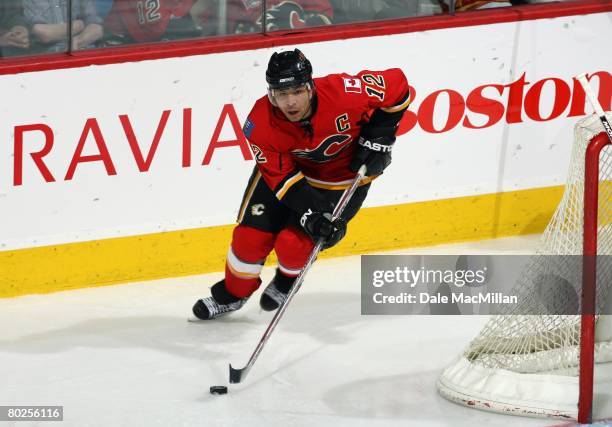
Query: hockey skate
point(221, 302)
point(276, 292)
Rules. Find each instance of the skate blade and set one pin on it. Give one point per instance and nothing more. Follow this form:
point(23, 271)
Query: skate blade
point(193, 319)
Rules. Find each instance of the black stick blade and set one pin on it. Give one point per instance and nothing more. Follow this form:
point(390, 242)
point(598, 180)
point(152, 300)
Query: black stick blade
point(235, 375)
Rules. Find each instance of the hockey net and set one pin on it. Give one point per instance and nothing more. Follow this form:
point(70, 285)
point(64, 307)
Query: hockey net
point(528, 364)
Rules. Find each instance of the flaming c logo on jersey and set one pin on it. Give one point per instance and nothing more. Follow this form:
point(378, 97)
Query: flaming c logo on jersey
point(328, 149)
point(296, 21)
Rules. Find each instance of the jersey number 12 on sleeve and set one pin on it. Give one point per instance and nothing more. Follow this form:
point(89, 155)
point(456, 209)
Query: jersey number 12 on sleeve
point(378, 81)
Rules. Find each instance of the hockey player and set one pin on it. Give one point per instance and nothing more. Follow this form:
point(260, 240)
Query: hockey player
point(309, 137)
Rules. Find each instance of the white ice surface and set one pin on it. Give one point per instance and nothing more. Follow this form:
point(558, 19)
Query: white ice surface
point(126, 356)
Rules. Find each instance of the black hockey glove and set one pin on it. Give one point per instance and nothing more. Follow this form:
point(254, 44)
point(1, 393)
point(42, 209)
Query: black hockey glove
point(320, 225)
point(375, 153)
point(376, 140)
point(314, 213)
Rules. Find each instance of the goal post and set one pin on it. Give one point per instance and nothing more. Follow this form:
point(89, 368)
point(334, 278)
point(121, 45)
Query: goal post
point(589, 270)
point(589, 244)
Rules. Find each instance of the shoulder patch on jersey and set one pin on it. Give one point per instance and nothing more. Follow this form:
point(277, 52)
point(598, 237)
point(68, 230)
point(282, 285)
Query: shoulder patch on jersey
point(248, 128)
point(352, 84)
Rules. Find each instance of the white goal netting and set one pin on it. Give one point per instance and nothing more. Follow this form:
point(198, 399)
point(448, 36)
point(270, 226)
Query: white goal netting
point(526, 360)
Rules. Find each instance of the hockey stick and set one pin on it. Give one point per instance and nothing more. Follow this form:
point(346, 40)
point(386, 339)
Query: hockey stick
point(595, 103)
point(237, 375)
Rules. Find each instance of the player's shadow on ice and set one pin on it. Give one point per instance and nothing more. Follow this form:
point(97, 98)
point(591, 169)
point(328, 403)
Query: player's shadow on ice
point(321, 316)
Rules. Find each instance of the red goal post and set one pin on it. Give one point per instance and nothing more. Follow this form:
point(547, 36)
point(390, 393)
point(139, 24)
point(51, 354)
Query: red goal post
point(593, 165)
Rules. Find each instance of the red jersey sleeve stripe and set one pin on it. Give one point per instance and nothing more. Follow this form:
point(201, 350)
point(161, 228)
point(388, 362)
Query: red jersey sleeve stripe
point(399, 107)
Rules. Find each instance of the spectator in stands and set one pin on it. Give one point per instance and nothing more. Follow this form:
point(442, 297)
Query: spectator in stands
point(14, 34)
point(245, 16)
point(132, 21)
point(357, 10)
point(48, 20)
point(467, 5)
point(372, 10)
point(103, 7)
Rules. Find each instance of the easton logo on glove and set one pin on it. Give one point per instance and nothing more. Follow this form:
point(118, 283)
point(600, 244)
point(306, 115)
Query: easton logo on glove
point(375, 153)
point(375, 146)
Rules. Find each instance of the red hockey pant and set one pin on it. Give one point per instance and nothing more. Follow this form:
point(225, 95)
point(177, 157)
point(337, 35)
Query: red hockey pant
point(249, 249)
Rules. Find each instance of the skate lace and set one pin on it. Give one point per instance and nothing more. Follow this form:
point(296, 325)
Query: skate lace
point(215, 309)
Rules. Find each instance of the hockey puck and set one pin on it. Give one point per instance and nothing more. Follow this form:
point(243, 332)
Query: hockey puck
point(218, 389)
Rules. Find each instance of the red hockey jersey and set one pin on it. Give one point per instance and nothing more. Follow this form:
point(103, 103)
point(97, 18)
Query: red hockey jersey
point(242, 15)
point(287, 152)
point(145, 20)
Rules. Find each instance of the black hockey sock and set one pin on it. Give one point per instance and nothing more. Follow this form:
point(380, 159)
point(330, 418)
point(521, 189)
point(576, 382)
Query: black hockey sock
point(221, 294)
point(283, 283)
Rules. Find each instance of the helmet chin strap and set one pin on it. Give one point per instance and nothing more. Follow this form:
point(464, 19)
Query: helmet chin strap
point(271, 98)
point(311, 94)
point(308, 112)
point(309, 109)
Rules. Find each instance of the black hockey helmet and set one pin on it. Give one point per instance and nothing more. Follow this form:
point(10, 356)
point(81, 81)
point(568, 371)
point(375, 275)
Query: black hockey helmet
point(288, 69)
